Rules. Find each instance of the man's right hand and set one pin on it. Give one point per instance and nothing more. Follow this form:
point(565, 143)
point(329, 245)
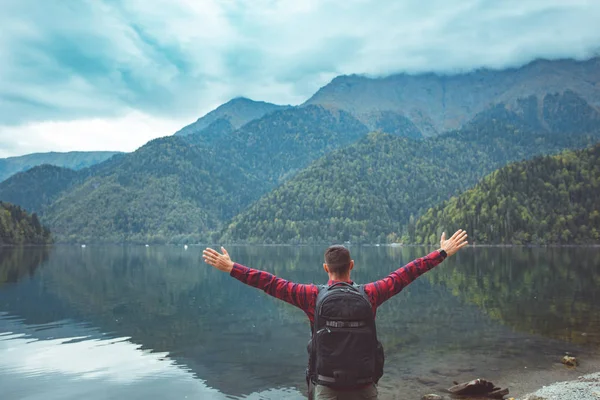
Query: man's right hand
point(455, 243)
point(220, 261)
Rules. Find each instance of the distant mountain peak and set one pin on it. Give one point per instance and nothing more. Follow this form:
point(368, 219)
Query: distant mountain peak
point(237, 111)
point(243, 100)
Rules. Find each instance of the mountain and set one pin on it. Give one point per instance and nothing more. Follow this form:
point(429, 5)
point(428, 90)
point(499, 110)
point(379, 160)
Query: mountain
point(167, 189)
point(320, 177)
point(178, 189)
point(18, 227)
point(38, 187)
point(278, 145)
point(373, 190)
point(182, 188)
point(438, 103)
point(236, 112)
point(72, 160)
point(547, 200)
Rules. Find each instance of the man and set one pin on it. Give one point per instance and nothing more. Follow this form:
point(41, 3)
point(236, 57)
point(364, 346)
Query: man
point(333, 384)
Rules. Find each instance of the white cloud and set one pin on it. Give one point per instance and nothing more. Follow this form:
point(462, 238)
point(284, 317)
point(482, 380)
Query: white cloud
point(124, 133)
point(175, 59)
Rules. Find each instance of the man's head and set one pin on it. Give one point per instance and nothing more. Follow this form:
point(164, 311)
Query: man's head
point(338, 262)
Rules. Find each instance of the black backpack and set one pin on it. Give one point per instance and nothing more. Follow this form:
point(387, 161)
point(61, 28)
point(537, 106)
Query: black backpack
point(344, 351)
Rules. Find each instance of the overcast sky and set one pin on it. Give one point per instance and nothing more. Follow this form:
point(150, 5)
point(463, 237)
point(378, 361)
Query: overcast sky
point(111, 75)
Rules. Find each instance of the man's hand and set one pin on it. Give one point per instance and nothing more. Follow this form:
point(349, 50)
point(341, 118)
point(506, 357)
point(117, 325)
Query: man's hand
point(455, 243)
point(220, 261)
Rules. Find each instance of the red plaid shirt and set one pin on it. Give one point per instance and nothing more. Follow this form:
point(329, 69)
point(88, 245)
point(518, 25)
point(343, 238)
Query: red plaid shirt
point(305, 296)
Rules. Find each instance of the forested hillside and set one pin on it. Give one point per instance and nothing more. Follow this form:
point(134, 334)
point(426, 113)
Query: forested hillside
point(167, 190)
point(38, 187)
point(375, 190)
point(547, 200)
point(18, 227)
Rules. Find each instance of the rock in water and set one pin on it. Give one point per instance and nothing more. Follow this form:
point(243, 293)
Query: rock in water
point(478, 387)
point(570, 361)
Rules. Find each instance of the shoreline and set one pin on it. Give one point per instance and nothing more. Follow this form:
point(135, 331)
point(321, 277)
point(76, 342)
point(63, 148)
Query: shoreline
point(393, 245)
point(524, 377)
point(585, 387)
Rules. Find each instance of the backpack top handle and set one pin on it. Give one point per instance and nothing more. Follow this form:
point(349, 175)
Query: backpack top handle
point(341, 283)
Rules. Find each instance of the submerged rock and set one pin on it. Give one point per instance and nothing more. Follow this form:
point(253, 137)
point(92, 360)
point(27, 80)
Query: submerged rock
point(432, 397)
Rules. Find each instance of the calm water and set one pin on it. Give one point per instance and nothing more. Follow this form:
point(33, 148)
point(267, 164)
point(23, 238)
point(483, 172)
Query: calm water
point(146, 323)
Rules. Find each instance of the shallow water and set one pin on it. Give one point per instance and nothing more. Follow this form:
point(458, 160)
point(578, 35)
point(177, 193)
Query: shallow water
point(137, 322)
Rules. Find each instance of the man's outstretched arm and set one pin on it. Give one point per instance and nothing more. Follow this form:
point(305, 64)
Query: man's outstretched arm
point(293, 293)
point(383, 289)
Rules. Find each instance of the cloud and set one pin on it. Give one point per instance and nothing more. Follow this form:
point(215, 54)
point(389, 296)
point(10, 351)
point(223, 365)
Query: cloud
point(177, 59)
point(122, 133)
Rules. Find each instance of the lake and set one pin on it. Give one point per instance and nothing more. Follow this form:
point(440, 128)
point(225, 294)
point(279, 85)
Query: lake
point(158, 323)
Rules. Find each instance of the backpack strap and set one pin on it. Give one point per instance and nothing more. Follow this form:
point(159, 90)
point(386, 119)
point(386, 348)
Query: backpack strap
point(321, 290)
point(362, 290)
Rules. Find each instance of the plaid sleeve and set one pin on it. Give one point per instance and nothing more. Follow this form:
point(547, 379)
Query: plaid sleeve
point(383, 289)
point(299, 295)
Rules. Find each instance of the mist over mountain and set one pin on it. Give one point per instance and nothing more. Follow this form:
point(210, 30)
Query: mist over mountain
point(438, 103)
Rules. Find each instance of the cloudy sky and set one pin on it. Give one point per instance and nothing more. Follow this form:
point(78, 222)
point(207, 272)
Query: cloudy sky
point(113, 74)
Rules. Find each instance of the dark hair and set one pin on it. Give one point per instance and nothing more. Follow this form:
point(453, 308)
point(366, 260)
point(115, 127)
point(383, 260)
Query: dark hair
point(337, 258)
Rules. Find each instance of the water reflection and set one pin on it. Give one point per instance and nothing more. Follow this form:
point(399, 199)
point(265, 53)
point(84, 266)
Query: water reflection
point(548, 291)
point(17, 262)
point(93, 366)
point(488, 310)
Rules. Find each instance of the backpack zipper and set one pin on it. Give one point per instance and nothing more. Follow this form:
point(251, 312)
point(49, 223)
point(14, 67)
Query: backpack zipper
point(323, 329)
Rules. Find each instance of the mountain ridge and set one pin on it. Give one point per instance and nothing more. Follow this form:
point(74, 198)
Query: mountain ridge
point(438, 103)
point(73, 160)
